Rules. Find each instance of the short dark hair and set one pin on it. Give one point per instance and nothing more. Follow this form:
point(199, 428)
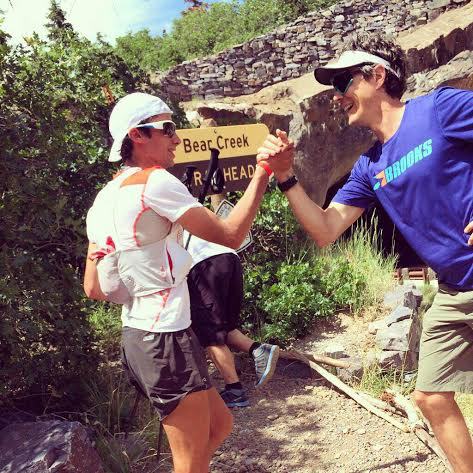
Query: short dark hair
point(374, 43)
point(126, 150)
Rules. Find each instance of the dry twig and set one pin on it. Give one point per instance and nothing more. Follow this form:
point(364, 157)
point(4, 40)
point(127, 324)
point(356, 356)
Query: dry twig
point(326, 360)
point(417, 424)
point(349, 391)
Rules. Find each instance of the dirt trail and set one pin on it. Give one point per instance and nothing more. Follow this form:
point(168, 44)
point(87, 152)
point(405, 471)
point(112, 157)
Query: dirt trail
point(304, 426)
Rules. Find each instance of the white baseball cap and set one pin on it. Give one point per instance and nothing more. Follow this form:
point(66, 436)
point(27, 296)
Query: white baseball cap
point(346, 60)
point(128, 112)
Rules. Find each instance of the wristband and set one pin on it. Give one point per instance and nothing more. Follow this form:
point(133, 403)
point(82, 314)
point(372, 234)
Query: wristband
point(287, 184)
point(266, 167)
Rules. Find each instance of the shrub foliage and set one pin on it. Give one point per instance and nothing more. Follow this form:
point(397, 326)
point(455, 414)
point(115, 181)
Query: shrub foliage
point(54, 142)
point(289, 283)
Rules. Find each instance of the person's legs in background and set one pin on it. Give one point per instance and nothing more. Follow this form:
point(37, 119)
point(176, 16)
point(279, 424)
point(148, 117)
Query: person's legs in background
point(264, 355)
point(212, 294)
point(216, 293)
point(234, 394)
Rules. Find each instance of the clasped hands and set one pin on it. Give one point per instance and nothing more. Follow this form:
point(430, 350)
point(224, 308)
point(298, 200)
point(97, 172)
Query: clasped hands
point(469, 229)
point(278, 152)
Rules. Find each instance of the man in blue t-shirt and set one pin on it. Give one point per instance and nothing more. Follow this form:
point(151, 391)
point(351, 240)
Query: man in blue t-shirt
point(421, 171)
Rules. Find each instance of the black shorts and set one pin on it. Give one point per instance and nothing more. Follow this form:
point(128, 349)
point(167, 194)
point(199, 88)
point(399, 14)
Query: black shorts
point(216, 295)
point(164, 366)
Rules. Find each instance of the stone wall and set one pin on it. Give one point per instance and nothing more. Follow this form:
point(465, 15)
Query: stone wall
point(294, 49)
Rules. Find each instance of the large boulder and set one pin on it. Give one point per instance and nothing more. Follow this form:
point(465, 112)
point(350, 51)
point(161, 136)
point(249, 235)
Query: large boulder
point(47, 447)
point(401, 336)
point(439, 53)
point(405, 296)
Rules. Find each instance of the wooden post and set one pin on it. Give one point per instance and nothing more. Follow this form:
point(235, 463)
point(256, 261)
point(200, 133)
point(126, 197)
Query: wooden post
point(215, 199)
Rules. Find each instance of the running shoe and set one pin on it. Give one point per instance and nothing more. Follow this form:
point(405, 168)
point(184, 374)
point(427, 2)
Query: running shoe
point(266, 357)
point(235, 398)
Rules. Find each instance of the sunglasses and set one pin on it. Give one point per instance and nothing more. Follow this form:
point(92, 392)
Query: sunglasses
point(168, 127)
point(341, 82)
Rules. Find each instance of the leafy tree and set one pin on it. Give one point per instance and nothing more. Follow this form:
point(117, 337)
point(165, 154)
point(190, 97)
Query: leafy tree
point(54, 141)
point(59, 29)
point(207, 29)
point(140, 50)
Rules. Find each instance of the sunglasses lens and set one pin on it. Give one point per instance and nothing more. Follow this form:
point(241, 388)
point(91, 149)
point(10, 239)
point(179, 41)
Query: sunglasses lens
point(342, 81)
point(169, 129)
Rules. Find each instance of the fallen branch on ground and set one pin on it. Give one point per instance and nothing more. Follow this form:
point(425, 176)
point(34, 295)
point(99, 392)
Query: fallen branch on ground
point(416, 424)
point(326, 360)
point(349, 391)
point(378, 403)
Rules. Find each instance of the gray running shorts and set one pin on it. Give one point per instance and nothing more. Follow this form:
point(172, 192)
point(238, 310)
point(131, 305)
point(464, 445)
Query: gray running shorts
point(164, 367)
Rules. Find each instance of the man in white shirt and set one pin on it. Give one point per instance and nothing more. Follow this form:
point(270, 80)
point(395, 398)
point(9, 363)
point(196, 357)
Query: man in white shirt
point(137, 220)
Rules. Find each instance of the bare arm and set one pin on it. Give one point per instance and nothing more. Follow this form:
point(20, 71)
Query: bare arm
point(230, 232)
point(91, 279)
point(323, 226)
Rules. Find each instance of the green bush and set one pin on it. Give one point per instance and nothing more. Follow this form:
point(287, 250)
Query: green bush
point(294, 302)
point(289, 283)
point(304, 291)
point(106, 325)
point(54, 141)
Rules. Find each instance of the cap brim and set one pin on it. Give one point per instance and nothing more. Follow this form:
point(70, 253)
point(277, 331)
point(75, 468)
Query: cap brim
point(115, 155)
point(347, 59)
point(324, 74)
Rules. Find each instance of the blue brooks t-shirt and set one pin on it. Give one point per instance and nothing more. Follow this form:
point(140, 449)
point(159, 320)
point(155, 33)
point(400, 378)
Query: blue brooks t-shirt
point(423, 177)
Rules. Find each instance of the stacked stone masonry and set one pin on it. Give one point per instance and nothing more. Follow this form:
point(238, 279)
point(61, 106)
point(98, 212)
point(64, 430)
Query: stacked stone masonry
point(296, 48)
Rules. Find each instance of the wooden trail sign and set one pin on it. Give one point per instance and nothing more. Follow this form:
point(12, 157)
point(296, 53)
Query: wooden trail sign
point(237, 144)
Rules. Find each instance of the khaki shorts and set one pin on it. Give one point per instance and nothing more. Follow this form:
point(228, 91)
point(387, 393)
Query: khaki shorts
point(446, 347)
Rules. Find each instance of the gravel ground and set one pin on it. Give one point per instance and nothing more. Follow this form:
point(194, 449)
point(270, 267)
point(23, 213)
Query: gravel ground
point(300, 424)
point(303, 426)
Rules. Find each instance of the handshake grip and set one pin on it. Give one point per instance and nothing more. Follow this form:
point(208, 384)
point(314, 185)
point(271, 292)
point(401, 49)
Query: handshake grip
point(278, 152)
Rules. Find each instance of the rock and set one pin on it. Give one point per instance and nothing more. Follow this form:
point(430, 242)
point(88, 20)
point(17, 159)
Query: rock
point(353, 373)
point(400, 296)
point(336, 351)
point(440, 3)
point(398, 314)
point(53, 446)
point(273, 417)
point(398, 360)
point(400, 336)
point(418, 297)
point(373, 327)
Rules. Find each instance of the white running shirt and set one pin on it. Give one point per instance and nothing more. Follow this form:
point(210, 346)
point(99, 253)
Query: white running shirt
point(202, 249)
point(136, 215)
